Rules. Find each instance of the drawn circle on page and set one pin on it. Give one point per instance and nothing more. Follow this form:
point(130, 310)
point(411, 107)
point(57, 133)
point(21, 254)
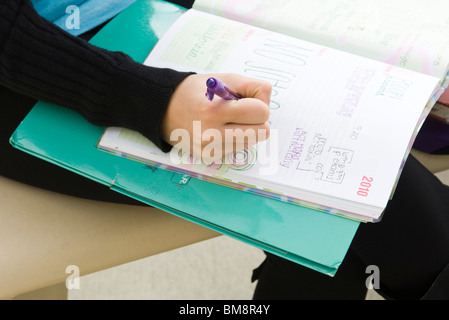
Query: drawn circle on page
point(243, 159)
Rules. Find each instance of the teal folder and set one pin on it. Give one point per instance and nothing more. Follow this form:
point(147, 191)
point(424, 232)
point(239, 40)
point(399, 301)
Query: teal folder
point(61, 136)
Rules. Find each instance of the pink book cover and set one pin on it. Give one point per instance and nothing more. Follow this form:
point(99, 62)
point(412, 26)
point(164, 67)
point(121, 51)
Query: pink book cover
point(444, 98)
point(440, 111)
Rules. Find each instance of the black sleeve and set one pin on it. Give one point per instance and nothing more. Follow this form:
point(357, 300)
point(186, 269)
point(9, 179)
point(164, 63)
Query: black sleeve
point(42, 61)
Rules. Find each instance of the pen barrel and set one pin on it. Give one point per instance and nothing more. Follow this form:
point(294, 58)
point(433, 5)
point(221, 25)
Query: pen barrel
point(228, 94)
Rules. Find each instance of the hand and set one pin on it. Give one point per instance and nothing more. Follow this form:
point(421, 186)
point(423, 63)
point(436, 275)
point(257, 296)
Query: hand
point(206, 129)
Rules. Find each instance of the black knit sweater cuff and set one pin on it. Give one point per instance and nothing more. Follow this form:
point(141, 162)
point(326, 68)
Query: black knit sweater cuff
point(139, 96)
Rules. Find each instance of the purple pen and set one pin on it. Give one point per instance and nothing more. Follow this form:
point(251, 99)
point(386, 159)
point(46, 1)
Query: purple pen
point(217, 87)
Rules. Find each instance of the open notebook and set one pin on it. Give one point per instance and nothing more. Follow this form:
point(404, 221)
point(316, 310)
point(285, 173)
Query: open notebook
point(341, 124)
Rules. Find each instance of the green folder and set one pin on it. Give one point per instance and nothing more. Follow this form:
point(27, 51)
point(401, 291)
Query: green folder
point(61, 136)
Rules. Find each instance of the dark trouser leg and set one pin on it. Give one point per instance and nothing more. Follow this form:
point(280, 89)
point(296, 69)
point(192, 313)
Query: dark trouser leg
point(285, 280)
point(410, 246)
point(411, 243)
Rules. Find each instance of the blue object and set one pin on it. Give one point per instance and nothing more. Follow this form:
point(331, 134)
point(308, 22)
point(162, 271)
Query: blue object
point(79, 16)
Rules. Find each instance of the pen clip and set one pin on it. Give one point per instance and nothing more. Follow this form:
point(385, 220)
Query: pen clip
point(210, 94)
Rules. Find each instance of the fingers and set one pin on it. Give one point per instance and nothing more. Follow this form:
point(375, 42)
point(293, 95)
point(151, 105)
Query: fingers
point(253, 108)
point(245, 111)
point(222, 126)
point(251, 88)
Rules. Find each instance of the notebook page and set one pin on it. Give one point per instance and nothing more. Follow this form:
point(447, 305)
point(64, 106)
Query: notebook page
point(412, 34)
point(334, 116)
